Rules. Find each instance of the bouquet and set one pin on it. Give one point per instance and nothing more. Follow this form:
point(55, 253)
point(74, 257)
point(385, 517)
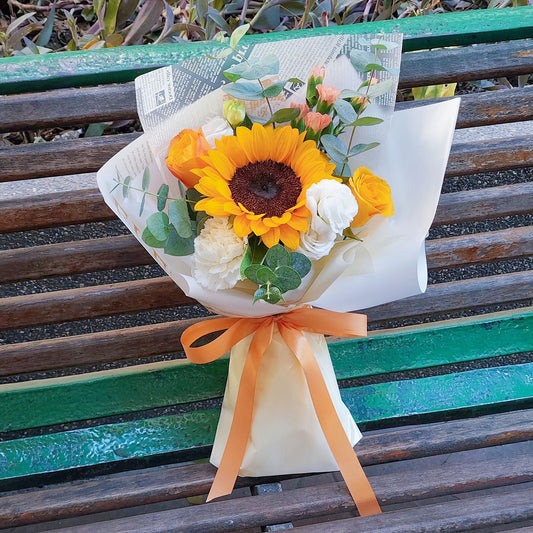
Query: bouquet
point(268, 182)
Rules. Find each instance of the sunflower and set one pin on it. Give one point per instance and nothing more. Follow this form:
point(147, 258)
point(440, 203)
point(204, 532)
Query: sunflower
point(260, 176)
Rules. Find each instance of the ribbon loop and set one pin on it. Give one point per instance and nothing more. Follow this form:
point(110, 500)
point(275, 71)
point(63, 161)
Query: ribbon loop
point(290, 326)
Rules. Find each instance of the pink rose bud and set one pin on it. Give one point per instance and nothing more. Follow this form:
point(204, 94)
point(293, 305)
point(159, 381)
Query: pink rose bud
point(304, 109)
point(327, 93)
point(318, 72)
point(317, 121)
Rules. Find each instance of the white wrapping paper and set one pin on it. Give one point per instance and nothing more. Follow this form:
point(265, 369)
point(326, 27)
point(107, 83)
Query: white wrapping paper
point(388, 265)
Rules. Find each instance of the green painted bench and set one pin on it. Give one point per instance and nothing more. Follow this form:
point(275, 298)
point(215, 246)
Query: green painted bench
point(105, 427)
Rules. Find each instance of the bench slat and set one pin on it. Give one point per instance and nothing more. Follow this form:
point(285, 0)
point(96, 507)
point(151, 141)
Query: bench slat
point(78, 207)
point(326, 499)
point(118, 491)
point(88, 155)
point(63, 399)
point(121, 64)
point(162, 293)
point(108, 253)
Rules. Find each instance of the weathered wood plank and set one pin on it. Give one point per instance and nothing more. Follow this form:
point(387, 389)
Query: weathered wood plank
point(154, 485)
point(120, 64)
point(77, 207)
point(333, 498)
point(125, 251)
point(89, 302)
point(464, 514)
point(65, 107)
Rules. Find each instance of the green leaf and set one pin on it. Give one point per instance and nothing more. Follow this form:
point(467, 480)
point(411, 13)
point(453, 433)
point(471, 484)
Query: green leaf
point(380, 88)
point(224, 52)
point(218, 19)
point(271, 295)
point(146, 179)
point(110, 17)
point(141, 208)
point(150, 240)
point(360, 148)
point(277, 256)
point(368, 121)
point(334, 146)
point(301, 263)
point(273, 90)
point(254, 254)
point(158, 225)
point(126, 186)
point(96, 129)
point(284, 115)
point(348, 233)
point(177, 245)
point(376, 67)
point(46, 32)
point(253, 70)
point(259, 274)
point(179, 218)
point(244, 90)
point(162, 195)
point(288, 278)
point(345, 111)
point(360, 59)
point(238, 34)
point(200, 221)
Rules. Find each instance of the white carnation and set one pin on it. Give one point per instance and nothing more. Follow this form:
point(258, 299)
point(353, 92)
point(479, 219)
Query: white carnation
point(217, 257)
point(332, 206)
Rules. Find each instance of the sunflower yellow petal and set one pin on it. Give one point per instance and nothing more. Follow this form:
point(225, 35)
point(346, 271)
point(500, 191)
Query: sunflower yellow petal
point(289, 236)
point(271, 238)
point(241, 226)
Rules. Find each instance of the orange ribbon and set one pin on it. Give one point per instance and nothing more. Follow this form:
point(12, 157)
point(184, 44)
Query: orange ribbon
point(290, 326)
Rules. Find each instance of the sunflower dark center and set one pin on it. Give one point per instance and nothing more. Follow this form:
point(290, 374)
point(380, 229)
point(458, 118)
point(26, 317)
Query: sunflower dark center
point(266, 187)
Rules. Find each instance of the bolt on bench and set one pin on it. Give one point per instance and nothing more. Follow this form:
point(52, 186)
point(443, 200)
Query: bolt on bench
point(105, 427)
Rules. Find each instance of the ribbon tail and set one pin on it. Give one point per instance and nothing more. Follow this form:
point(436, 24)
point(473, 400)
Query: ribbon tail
point(344, 454)
point(235, 448)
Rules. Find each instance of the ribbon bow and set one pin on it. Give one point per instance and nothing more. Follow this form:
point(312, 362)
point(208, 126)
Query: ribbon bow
point(290, 326)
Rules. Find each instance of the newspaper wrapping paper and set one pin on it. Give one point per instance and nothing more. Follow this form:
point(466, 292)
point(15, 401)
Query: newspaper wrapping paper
point(388, 265)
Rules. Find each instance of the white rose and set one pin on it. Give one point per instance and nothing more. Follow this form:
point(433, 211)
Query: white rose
point(217, 256)
point(332, 206)
point(215, 129)
point(335, 204)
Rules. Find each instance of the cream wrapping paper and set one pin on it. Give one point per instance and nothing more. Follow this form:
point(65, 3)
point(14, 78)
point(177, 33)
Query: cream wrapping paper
point(389, 264)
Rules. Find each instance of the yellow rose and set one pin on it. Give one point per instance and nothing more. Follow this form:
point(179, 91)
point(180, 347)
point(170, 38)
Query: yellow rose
point(184, 154)
point(373, 195)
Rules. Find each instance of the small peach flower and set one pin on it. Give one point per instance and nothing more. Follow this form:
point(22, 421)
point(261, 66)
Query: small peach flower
point(317, 121)
point(327, 93)
point(318, 72)
point(373, 195)
point(304, 109)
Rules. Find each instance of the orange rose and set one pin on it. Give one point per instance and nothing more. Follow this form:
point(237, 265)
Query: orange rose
point(372, 194)
point(184, 154)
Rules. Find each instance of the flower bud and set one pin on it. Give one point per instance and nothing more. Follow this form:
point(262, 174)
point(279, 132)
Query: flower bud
point(316, 77)
point(317, 121)
point(234, 112)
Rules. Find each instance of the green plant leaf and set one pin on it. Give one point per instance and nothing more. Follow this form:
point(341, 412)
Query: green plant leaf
point(254, 254)
point(301, 263)
point(284, 115)
point(368, 121)
point(110, 17)
point(146, 179)
point(96, 129)
point(360, 59)
point(271, 294)
point(288, 278)
point(259, 274)
point(334, 146)
point(218, 19)
point(273, 90)
point(126, 186)
point(277, 256)
point(46, 33)
point(238, 34)
point(360, 148)
point(157, 223)
point(253, 70)
point(376, 67)
point(162, 196)
point(345, 112)
point(150, 240)
point(179, 218)
point(383, 87)
point(177, 245)
point(141, 207)
point(244, 90)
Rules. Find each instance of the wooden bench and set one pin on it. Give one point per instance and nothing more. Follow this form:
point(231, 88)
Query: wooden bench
point(104, 427)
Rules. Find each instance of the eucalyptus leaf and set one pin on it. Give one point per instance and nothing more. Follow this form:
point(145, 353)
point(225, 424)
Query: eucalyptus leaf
point(252, 70)
point(277, 256)
point(238, 34)
point(376, 67)
point(158, 225)
point(146, 179)
point(368, 121)
point(224, 52)
point(177, 245)
point(273, 90)
point(284, 115)
point(301, 263)
point(380, 88)
point(345, 111)
point(250, 273)
point(334, 146)
point(360, 148)
point(244, 90)
point(270, 294)
point(150, 240)
point(360, 59)
point(287, 278)
point(179, 218)
point(141, 208)
point(162, 195)
point(126, 186)
point(266, 275)
point(254, 254)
